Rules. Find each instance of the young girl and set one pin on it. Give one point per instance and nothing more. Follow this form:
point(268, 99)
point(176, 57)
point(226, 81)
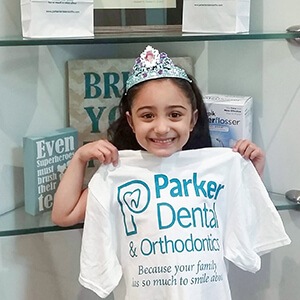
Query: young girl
point(160, 221)
point(70, 199)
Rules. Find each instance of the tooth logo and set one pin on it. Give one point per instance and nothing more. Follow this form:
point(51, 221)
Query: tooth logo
point(134, 198)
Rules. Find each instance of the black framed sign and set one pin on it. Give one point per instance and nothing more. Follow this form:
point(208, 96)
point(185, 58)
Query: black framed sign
point(137, 15)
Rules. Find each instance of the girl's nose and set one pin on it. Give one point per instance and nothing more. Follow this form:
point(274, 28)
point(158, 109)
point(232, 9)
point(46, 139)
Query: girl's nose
point(161, 126)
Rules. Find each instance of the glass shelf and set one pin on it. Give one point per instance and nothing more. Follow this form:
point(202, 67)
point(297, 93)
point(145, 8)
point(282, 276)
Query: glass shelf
point(282, 203)
point(17, 222)
point(146, 37)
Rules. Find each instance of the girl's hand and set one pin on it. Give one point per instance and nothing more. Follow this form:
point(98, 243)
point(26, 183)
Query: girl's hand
point(251, 151)
point(70, 200)
point(102, 150)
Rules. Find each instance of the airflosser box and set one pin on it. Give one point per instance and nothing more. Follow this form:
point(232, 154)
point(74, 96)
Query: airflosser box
point(230, 118)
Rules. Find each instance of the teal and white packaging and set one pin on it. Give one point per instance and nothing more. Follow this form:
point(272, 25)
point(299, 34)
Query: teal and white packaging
point(230, 118)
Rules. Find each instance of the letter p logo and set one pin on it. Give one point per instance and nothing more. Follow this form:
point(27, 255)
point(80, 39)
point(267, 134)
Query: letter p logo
point(134, 198)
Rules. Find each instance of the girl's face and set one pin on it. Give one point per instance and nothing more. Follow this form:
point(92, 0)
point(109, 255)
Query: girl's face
point(161, 117)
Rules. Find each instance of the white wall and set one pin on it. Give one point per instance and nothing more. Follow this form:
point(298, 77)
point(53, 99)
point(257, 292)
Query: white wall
point(33, 100)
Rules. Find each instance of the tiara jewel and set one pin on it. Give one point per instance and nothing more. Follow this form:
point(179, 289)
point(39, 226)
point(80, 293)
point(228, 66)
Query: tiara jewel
point(152, 65)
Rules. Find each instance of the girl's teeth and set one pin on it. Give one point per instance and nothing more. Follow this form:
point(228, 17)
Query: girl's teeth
point(163, 141)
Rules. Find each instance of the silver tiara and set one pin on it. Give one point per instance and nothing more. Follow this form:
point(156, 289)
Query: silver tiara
point(152, 65)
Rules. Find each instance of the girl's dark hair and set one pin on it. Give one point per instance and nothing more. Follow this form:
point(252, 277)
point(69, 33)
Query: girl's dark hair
point(122, 136)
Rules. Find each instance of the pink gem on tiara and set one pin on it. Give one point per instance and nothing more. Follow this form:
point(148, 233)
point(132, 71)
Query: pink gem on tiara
point(152, 65)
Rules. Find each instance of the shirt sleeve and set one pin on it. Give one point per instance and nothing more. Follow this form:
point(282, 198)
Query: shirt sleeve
point(254, 227)
point(100, 270)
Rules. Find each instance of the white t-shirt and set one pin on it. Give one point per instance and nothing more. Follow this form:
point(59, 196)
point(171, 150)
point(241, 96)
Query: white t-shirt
point(161, 228)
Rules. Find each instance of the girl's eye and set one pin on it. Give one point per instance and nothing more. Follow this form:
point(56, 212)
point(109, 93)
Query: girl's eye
point(175, 115)
point(147, 116)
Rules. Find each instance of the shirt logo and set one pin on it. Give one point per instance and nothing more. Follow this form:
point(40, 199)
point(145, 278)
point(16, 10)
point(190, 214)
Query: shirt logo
point(134, 198)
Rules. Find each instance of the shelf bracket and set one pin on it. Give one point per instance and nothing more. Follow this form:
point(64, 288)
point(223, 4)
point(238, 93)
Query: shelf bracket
point(294, 29)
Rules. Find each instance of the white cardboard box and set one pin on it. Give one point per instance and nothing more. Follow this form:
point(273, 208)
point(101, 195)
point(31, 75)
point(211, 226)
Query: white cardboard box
point(230, 118)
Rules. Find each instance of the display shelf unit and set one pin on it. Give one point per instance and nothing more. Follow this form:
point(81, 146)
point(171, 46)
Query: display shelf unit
point(18, 222)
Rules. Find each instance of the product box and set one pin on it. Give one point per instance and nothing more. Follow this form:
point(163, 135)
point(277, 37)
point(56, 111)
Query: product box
point(230, 118)
point(46, 158)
